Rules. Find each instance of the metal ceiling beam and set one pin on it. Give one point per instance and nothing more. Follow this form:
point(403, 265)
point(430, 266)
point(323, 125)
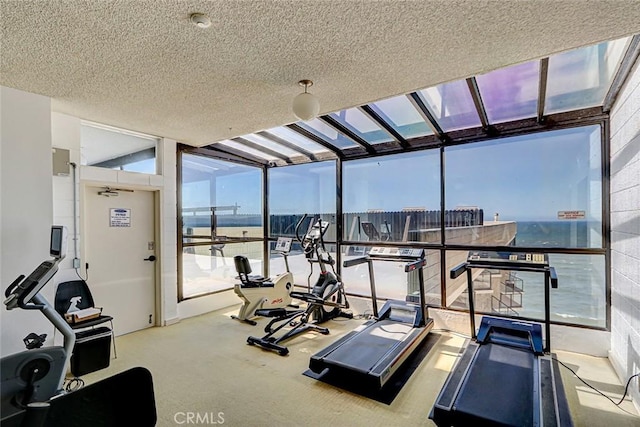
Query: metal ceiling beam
point(348, 133)
point(369, 112)
point(262, 149)
point(274, 138)
point(427, 116)
point(472, 84)
point(239, 155)
point(627, 63)
point(302, 131)
point(542, 88)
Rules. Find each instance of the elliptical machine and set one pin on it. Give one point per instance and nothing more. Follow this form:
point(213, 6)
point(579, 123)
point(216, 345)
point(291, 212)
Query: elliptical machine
point(37, 374)
point(325, 301)
point(258, 292)
point(328, 286)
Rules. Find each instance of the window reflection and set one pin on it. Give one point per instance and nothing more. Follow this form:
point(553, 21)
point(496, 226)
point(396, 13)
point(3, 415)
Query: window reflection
point(451, 105)
point(581, 78)
point(357, 122)
point(510, 93)
point(402, 116)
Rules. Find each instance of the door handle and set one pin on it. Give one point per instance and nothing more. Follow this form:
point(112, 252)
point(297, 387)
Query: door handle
point(151, 258)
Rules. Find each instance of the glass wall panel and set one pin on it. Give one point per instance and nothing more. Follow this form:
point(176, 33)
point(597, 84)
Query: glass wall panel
point(329, 134)
point(112, 148)
point(302, 189)
point(581, 78)
point(402, 116)
point(510, 93)
point(579, 299)
point(392, 198)
point(537, 190)
point(210, 268)
point(451, 105)
point(360, 124)
point(220, 199)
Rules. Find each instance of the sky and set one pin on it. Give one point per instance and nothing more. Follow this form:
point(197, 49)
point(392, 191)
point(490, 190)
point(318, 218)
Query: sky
point(528, 177)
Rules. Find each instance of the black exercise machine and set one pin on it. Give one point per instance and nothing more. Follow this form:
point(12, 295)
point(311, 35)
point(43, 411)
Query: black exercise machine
point(505, 377)
point(325, 301)
point(32, 380)
point(375, 350)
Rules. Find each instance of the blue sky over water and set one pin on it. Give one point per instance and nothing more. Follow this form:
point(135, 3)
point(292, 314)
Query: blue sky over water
point(529, 177)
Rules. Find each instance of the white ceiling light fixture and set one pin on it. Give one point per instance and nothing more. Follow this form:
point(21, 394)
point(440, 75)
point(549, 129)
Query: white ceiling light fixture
point(200, 20)
point(305, 105)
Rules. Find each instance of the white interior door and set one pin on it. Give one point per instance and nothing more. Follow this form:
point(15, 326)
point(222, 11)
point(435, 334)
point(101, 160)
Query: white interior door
point(119, 237)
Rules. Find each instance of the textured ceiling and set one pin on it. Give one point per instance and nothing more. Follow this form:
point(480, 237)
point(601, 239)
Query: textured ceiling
point(141, 65)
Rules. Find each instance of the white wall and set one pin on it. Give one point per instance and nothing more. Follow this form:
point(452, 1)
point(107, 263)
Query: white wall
point(625, 232)
point(26, 213)
point(66, 134)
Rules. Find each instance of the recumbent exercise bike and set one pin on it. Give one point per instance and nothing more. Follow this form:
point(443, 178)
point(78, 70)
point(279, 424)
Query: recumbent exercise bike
point(258, 292)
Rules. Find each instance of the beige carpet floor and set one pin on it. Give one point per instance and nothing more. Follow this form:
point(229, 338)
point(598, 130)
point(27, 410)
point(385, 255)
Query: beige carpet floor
point(202, 366)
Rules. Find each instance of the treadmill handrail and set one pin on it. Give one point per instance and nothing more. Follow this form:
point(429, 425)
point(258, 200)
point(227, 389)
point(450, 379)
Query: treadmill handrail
point(354, 261)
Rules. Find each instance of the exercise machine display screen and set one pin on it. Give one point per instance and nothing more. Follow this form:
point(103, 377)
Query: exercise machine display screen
point(58, 243)
point(490, 257)
point(385, 252)
point(283, 244)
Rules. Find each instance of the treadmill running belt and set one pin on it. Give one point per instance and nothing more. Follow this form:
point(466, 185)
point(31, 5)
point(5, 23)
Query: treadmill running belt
point(499, 387)
point(370, 346)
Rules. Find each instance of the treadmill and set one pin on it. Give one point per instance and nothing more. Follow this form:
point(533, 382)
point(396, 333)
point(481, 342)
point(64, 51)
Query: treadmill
point(505, 376)
point(371, 353)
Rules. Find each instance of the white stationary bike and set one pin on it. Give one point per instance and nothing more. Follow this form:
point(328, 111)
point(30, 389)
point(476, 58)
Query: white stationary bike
point(259, 292)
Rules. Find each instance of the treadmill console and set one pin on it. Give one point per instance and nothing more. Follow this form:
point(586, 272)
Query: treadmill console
point(513, 258)
point(404, 253)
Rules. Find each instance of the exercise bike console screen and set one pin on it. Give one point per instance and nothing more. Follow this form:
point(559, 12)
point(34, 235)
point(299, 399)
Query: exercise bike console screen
point(58, 245)
point(21, 292)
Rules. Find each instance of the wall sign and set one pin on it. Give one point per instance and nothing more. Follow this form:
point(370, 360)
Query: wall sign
point(119, 217)
point(571, 215)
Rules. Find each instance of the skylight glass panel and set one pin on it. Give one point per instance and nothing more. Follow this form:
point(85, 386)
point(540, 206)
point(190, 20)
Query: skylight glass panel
point(510, 93)
point(358, 122)
point(402, 116)
point(244, 148)
point(451, 105)
point(581, 78)
point(326, 132)
point(274, 146)
point(297, 139)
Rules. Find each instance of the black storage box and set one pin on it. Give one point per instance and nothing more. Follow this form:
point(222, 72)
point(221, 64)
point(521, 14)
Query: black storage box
point(92, 351)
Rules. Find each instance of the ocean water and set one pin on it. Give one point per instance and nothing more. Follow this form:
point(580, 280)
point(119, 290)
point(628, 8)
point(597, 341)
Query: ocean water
point(581, 293)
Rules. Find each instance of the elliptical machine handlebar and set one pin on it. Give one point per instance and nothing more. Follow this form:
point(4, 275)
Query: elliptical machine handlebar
point(11, 287)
